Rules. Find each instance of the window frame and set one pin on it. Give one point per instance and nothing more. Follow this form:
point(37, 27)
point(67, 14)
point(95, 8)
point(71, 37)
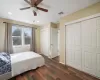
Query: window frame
point(22, 36)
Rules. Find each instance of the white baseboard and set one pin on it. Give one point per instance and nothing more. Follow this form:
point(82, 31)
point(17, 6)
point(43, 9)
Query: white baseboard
point(62, 63)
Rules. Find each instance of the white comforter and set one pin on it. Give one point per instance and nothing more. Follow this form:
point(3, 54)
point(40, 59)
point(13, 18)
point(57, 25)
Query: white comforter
point(25, 61)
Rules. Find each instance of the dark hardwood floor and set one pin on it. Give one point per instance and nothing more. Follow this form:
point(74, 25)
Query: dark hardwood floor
point(56, 59)
point(54, 71)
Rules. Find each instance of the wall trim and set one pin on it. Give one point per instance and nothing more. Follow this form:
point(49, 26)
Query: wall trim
point(62, 63)
point(83, 19)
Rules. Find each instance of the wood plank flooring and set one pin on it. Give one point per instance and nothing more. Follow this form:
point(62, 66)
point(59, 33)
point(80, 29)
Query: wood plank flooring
point(56, 59)
point(54, 71)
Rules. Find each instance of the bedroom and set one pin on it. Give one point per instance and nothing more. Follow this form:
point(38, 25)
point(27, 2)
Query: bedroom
point(58, 42)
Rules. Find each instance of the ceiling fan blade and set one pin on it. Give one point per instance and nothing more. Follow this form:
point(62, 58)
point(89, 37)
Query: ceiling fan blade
point(25, 8)
point(42, 9)
point(35, 14)
point(27, 2)
point(38, 2)
point(43, 4)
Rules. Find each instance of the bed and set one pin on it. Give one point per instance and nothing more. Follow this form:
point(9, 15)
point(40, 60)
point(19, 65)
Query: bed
point(22, 62)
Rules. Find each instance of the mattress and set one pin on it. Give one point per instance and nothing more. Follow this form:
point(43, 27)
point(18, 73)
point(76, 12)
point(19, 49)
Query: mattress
point(25, 61)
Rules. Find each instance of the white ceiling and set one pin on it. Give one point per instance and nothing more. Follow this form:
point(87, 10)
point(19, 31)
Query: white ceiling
point(54, 7)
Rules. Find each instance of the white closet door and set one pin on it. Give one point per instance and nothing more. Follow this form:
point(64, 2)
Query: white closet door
point(89, 46)
point(45, 41)
point(98, 64)
point(73, 48)
point(77, 46)
point(69, 45)
point(83, 46)
point(98, 46)
point(54, 42)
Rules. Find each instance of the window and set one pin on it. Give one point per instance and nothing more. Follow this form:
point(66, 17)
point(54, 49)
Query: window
point(21, 36)
point(27, 35)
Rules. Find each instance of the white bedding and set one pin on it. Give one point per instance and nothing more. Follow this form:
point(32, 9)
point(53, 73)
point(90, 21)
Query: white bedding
point(25, 61)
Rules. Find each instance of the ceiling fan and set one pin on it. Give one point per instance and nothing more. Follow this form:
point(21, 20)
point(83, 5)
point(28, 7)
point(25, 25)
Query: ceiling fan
point(34, 5)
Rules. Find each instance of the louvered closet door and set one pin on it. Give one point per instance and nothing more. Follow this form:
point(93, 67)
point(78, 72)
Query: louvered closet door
point(89, 40)
point(73, 45)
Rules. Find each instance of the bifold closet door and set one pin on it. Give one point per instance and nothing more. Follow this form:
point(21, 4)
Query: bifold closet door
point(73, 45)
point(89, 42)
point(83, 46)
point(98, 46)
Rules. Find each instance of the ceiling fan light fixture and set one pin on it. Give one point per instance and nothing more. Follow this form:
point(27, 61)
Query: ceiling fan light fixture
point(34, 6)
point(34, 9)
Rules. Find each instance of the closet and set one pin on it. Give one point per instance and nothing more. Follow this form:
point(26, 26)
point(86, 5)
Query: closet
point(49, 40)
point(83, 45)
